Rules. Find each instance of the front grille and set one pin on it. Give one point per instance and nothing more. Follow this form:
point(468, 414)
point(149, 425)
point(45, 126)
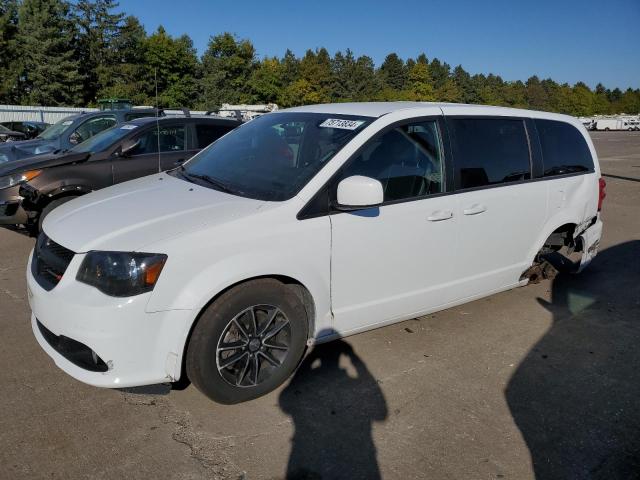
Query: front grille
point(50, 262)
point(77, 353)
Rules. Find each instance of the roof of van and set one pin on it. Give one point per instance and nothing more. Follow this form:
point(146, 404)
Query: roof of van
point(378, 109)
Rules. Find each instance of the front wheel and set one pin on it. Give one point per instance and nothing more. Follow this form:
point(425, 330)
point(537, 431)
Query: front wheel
point(247, 342)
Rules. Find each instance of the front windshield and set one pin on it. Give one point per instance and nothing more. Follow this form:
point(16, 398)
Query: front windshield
point(56, 129)
point(104, 139)
point(274, 156)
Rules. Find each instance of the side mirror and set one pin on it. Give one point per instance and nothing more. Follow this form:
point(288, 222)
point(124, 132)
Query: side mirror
point(127, 147)
point(358, 192)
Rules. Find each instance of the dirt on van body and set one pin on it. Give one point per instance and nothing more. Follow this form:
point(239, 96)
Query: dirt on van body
point(538, 382)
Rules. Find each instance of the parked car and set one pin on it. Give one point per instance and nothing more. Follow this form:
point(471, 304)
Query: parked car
point(7, 135)
point(29, 128)
point(31, 188)
point(69, 132)
point(304, 225)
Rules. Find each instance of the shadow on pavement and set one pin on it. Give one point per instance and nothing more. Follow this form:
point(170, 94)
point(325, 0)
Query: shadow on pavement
point(576, 395)
point(333, 400)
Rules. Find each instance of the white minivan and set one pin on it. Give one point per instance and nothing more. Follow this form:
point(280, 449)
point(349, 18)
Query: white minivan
point(302, 226)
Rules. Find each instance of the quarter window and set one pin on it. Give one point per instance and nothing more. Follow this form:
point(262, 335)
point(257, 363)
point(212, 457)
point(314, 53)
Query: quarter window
point(564, 149)
point(490, 151)
point(406, 160)
point(207, 134)
point(171, 139)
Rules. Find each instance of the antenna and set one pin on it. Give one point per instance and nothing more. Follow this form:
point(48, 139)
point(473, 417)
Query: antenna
point(155, 77)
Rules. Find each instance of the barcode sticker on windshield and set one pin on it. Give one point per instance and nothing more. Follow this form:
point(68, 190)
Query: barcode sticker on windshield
point(340, 123)
point(128, 127)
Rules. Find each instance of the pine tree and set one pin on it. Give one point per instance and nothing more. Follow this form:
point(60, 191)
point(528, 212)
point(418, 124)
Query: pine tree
point(8, 50)
point(393, 72)
point(127, 79)
point(49, 70)
point(98, 31)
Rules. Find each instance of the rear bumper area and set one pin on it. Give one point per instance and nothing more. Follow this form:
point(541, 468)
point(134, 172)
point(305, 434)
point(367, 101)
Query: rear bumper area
point(590, 240)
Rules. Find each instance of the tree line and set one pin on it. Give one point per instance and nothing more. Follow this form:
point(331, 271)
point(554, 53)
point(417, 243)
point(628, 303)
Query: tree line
point(56, 52)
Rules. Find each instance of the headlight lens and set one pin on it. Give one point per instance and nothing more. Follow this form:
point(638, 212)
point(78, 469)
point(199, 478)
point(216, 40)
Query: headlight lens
point(16, 178)
point(121, 274)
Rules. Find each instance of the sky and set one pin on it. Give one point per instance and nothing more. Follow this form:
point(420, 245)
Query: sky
point(567, 40)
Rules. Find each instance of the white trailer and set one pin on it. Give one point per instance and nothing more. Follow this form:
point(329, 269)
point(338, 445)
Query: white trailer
point(613, 124)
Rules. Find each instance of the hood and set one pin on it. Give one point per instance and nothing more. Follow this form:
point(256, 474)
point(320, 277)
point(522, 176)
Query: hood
point(41, 161)
point(26, 148)
point(130, 215)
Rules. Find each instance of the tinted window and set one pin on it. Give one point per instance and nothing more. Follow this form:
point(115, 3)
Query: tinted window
point(171, 140)
point(207, 134)
point(92, 127)
point(273, 156)
point(490, 151)
point(407, 160)
point(564, 149)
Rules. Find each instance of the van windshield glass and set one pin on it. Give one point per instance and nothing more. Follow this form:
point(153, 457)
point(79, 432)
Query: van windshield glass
point(104, 140)
point(272, 157)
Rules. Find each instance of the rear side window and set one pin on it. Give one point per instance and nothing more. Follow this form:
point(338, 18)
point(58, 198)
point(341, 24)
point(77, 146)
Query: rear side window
point(207, 134)
point(171, 139)
point(564, 149)
point(490, 151)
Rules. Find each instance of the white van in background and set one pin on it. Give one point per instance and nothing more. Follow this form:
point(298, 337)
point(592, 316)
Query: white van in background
point(304, 225)
point(607, 124)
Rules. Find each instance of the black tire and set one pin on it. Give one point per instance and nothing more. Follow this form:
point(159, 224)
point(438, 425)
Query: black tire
point(51, 207)
point(260, 298)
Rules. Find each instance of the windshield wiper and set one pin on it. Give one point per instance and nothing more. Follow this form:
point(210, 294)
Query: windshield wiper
point(217, 184)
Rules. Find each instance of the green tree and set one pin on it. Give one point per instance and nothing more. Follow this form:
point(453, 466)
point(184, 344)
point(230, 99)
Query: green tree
point(353, 79)
point(49, 70)
point(173, 62)
point(315, 80)
point(8, 50)
point(266, 81)
point(227, 66)
point(393, 72)
point(98, 31)
point(420, 85)
point(129, 71)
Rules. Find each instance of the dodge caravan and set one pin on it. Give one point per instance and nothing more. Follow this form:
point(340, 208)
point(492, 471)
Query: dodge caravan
point(305, 225)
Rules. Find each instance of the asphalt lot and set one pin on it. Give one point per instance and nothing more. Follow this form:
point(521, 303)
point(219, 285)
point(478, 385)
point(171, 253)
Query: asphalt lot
point(539, 382)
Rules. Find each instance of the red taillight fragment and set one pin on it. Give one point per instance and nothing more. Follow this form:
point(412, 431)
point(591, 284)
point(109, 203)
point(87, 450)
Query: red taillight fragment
point(602, 192)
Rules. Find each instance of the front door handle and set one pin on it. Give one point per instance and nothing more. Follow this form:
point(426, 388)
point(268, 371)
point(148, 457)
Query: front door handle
point(474, 209)
point(440, 215)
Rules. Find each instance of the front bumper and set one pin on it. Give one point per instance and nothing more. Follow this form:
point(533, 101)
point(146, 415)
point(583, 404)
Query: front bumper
point(136, 347)
point(11, 210)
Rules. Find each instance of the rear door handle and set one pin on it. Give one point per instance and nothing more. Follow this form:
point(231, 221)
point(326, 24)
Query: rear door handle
point(474, 209)
point(440, 215)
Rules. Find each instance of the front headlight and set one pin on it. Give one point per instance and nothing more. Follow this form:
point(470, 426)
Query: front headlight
point(121, 274)
point(16, 178)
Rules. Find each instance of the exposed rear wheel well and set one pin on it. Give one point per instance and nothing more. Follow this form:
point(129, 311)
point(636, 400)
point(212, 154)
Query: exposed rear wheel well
point(560, 237)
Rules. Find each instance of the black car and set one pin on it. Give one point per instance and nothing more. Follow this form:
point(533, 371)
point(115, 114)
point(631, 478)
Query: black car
point(29, 128)
point(7, 135)
point(70, 131)
point(30, 188)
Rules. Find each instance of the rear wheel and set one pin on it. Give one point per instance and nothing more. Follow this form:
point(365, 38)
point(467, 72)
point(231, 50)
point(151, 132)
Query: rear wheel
point(247, 342)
